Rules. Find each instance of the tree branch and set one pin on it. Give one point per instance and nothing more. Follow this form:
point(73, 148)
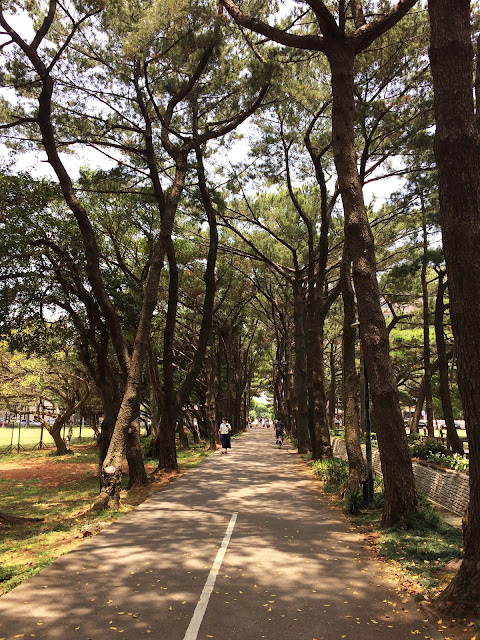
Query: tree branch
point(309, 42)
point(363, 37)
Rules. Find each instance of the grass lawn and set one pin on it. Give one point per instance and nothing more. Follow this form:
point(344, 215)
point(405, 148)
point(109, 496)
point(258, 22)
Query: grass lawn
point(60, 491)
point(29, 437)
point(418, 550)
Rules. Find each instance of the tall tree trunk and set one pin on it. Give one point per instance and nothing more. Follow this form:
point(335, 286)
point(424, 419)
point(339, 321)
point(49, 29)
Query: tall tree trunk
point(129, 413)
point(290, 393)
point(210, 401)
point(457, 154)
point(167, 459)
point(202, 421)
point(156, 393)
point(426, 329)
point(332, 395)
point(417, 413)
point(167, 451)
point(277, 382)
point(400, 493)
point(182, 436)
point(210, 288)
point(300, 381)
point(321, 445)
point(134, 455)
point(452, 436)
point(351, 419)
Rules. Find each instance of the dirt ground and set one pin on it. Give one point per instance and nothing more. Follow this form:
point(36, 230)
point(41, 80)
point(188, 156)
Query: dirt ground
point(50, 473)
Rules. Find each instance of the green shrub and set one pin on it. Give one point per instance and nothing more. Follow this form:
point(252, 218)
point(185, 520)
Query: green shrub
point(353, 500)
point(456, 462)
point(412, 438)
point(379, 491)
point(459, 463)
point(147, 446)
point(423, 448)
point(332, 471)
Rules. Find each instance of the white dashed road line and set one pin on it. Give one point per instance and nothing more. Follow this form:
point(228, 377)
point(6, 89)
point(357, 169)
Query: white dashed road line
point(196, 621)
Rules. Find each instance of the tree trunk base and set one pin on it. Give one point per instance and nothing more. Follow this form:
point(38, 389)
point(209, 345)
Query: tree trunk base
point(139, 482)
point(461, 598)
point(111, 483)
point(167, 466)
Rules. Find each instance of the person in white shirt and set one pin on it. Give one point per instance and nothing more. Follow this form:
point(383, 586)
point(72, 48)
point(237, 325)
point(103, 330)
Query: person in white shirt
point(224, 431)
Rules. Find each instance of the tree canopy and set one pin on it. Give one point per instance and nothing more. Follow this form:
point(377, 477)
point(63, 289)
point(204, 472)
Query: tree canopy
point(216, 239)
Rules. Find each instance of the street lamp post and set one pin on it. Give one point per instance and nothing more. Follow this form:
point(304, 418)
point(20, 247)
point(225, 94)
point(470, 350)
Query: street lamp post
point(368, 493)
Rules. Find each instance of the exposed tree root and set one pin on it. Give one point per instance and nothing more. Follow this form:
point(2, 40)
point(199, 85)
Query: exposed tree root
point(7, 519)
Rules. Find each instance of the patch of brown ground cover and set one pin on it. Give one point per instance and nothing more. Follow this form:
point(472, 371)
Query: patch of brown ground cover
point(48, 474)
point(51, 473)
point(27, 545)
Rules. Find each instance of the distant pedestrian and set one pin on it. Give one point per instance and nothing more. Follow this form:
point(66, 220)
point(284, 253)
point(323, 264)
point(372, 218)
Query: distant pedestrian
point(224, 431)
point(279, 432)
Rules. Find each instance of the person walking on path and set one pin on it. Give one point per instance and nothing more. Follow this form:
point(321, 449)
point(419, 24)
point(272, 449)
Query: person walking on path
point(224, 431)
point(279, 432)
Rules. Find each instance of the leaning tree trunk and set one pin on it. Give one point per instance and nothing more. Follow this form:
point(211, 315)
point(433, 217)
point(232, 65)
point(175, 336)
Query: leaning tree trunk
point(129, 413)
point(210, 288)
point(111, 400)
point(457, 152)
point(55, 430)
point(400, 493)
point(156, 393)
point(452, 436)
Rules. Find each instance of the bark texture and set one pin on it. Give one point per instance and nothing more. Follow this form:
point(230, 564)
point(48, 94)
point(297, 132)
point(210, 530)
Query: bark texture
point(452, 436)
point(426, 331)
point(457, 155)
point(301, 384)
point(341, 49)
point(351, 419)
point(400, 494)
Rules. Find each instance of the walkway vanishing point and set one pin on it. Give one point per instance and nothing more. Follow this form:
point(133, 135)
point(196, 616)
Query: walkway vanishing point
point(243, 547)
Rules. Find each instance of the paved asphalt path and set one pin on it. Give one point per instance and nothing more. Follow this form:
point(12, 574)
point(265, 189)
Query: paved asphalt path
point(291, 566)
